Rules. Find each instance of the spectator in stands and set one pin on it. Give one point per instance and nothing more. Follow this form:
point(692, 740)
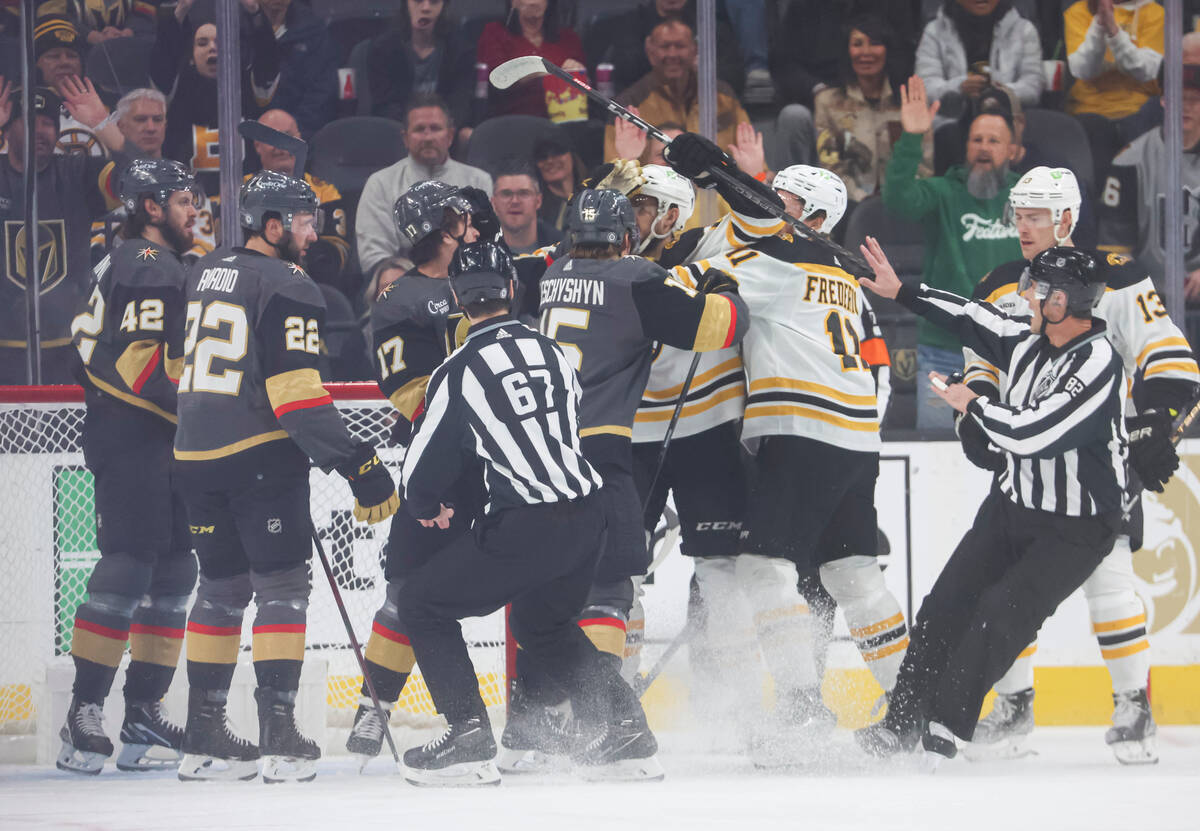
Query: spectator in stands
point(973, 43)
point(516, 199)
point(59, 51)
point(560, 172)
point(98, 22)
point(142, 119)
point(308, 64)
point(962, 216)
point(531, 28)
point(810, 54)
point(669, 91)
point(72, 190)
point(1132, 209)
point(428, 134)
point(749, 21)
point(1114, 50)
point(184, 66)
point(420, 53)
point(621, 41)
point(858, 122)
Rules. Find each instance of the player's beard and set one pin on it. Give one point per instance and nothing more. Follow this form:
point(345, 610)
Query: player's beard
point(986, 181)
point(180, 239)
point(288, 249)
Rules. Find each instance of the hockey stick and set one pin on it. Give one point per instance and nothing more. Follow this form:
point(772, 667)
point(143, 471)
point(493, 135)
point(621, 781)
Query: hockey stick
point(1180, 426)
point(643, 682)
point(362, 664)
point(662, 452)
point(532, 66)
point(280, 141)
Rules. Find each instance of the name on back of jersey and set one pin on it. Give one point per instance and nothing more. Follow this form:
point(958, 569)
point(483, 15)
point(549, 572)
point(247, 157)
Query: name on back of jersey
point(572, 290)
point(833, 291)
point(218, 279)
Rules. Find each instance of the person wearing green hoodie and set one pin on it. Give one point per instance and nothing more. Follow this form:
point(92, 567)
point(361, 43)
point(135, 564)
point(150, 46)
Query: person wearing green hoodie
point(962, 214)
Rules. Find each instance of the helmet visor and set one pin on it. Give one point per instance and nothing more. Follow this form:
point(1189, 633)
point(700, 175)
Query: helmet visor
point(303, 223)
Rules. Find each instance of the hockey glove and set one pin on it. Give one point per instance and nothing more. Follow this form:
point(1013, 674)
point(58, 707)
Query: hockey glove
point(625, 176)
point(1151, 454)
point(374, 492)
point(976, 446)
point(692, 155)
point(716, 281)
point(482, 216)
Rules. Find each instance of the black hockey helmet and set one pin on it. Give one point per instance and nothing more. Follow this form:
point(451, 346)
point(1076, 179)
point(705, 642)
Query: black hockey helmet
point(155, 178)
point(482, 271)
point(270, 192)
point(601, 216)
point(421, 209)
point(1070, 270)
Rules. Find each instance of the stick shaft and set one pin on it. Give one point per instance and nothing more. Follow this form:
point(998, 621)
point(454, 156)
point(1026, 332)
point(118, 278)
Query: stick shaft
point(685, 635)
point(662, 452)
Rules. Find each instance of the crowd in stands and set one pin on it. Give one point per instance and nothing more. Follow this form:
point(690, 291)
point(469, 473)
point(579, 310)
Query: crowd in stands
point(928, 110)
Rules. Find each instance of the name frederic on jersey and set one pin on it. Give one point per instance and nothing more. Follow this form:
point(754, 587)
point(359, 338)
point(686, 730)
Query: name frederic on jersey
point(572, 290)
point(218, 279)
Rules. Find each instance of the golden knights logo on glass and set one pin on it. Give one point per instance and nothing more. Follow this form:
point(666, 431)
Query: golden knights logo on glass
point(51, 253)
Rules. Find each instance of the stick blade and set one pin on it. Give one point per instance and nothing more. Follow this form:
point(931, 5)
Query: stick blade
point(517, 69)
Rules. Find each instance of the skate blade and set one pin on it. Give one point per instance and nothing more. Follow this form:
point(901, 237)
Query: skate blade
point(1003, 750)
point(463, 775)
point(625, 770)
point(278, 769)
point(1144, 752)
point(197, 768)
point(79, 761)
point(529, 761)
point(141, 757)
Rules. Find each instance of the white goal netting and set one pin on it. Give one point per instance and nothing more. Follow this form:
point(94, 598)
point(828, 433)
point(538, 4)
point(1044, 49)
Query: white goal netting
point(48, 548)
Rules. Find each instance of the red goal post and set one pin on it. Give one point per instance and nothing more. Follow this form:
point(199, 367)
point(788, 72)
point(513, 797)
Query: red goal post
point(48, 548)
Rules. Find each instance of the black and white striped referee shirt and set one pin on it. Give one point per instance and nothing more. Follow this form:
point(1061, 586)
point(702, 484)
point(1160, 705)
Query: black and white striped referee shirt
point(1060, 421)
point(510, 398)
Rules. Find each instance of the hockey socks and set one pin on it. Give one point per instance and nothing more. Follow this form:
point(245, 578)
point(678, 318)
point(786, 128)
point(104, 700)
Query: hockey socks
point(156, 639)
point(97, 644)
point(872, 614)
point(389, 658)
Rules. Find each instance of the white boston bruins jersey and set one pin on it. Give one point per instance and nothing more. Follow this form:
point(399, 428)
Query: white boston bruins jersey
point(717, 393)
point(1149, 344)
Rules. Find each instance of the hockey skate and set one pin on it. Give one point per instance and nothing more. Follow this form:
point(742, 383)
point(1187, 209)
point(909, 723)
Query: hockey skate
point(535, 736)
point(889, 737)
point(461, 757)
point(1004, 732)
point(939, 745)
point(149, 740)
point(85, 744)
point(211, 751)
point(621, 751)
point(366, 736)
point(288, 756)
point(796, 734)
point(1132, 736)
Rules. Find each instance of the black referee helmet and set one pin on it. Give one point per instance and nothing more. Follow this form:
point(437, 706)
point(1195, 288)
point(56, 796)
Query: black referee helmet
point(1069, 270)
point(482, 271)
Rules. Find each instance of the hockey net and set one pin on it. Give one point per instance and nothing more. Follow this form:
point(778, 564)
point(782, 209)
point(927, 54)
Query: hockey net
point(48, 548)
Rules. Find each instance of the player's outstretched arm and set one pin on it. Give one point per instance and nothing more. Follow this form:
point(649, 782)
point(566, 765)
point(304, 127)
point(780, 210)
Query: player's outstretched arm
point(709, 316)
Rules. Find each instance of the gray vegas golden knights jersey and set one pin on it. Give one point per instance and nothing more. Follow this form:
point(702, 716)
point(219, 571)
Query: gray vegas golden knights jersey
point(606, 316)
point(413, 325)
point(129, 332)
point(250, 394)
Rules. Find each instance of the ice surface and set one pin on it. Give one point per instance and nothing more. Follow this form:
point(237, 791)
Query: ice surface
point(1073, 783)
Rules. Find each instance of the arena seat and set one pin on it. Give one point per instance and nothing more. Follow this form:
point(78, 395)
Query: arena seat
point(508, 136)
point(346, 151)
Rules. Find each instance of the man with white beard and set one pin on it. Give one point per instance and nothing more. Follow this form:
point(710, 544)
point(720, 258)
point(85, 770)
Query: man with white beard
point(962, 215)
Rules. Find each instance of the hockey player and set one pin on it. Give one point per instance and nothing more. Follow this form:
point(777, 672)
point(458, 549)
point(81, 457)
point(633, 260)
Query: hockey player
point(1045, 206)
point(252, 413)
point(130, 340)
point(1056, 510)
point(511, 398)
point(811, 405)
point(413, 330)
point(606, 309)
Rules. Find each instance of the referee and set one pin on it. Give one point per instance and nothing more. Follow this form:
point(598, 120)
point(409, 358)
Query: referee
point(510, 398)
point(1054, 511)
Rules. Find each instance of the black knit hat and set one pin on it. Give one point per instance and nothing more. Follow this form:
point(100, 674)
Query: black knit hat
point(55, 32)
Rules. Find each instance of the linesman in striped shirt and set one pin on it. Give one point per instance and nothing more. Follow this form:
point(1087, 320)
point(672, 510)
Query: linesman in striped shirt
point(1054, 511)
point(510, 398)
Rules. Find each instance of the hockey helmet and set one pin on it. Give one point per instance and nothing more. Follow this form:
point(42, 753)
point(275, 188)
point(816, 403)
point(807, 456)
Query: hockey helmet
point(820, 189)
point(601, 216)
point(1047, 187)
point(421, 209)
point(669, 188)
point(1070, 270)
point(481, 271)
point(268, 192)
point(155, 178)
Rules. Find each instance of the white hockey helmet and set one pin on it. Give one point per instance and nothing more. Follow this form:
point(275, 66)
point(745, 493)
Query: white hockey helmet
point(1048, 187)
point(669, 188)
point(821, 190)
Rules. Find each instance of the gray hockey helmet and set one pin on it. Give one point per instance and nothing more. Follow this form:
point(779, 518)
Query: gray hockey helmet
point(154, 178)
point(601, 216)
point(269, 192)
point(421, 209)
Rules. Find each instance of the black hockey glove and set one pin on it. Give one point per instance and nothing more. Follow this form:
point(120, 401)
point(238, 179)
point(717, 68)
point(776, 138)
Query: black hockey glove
point(716, 281)
point(1151, 454)
point(976, 446)
point(482, 216)
point(692, 155)
point(374, 492)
